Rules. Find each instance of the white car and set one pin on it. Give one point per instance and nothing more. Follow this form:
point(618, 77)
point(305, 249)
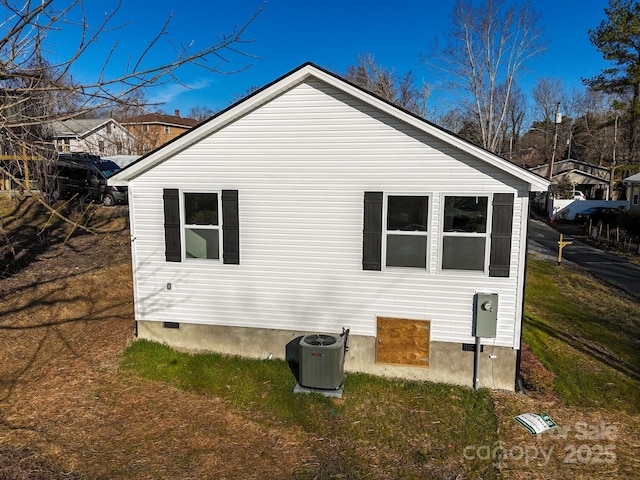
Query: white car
point(578, 195)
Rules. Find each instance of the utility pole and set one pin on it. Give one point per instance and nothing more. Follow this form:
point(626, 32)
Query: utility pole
point(558, 121)
point(612, 175)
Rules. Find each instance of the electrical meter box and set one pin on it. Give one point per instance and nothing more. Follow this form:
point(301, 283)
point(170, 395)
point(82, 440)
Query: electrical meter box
point(485, 314)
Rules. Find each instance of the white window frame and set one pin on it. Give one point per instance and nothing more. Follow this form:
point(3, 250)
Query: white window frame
point(386, 232)
point(486, 235)
point(167, 129)
point(185, 226)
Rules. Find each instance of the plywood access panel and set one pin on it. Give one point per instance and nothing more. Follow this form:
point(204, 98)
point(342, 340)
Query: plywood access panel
point(402, 341)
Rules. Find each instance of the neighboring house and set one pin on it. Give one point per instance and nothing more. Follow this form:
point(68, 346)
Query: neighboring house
point(590, 179)
point(98, 136)
point(155, 129)
point(633, 186)
point(311, 206)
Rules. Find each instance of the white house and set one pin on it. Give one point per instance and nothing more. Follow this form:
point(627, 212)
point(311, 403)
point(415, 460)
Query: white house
point(311, 206)
point(98, 136)
point(633, 185)
point(590, 179)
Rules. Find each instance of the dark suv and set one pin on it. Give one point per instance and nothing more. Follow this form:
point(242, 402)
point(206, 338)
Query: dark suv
point(85, 176)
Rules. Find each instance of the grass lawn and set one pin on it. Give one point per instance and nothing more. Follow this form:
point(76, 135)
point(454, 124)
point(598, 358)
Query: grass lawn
point(79, 399)
point(585, 335)
point(380, 429)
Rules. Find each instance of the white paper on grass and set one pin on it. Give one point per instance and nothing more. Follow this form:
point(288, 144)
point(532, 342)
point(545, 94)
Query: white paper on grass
point(535, 423)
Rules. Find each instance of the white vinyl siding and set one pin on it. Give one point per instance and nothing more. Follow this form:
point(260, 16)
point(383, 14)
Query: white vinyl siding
point(301, 164)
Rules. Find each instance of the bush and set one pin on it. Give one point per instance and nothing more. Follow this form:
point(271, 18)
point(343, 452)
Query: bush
point(631, 223)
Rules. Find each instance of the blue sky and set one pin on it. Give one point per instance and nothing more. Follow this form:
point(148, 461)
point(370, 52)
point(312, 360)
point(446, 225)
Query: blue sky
point(330, 33)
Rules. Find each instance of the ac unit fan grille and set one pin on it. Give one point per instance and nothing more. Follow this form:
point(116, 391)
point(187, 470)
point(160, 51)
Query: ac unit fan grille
point(320, 340)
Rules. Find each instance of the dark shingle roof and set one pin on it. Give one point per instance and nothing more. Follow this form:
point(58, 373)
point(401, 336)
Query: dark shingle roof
point(162, 119)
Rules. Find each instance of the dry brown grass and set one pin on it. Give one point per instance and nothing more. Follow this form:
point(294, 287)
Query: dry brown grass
point(65, 320)
point(588, 443)
point(66, 407)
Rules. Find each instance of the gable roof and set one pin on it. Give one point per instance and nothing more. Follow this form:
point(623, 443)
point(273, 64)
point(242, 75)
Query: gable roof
point(296, 77)
point(632, 179)
point(570, 165)
point(78, 127)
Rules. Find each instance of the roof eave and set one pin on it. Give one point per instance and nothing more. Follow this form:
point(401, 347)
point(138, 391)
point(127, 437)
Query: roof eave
point(536, 182)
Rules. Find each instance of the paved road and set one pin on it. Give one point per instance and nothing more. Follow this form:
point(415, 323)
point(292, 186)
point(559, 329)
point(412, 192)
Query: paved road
point(607, 267)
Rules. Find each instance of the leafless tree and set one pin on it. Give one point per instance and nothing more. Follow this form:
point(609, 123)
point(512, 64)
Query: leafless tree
point(515, 117)
point(486, 49)
point(574, 106)
point(386, 83)
point(236, 97)
point(200, 113)
point(37, 90)
point(453, 120)
point(593, 132)
point(547, 93)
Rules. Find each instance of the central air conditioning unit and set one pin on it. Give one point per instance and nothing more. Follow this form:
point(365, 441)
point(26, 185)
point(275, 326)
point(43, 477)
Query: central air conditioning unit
point(321, 361)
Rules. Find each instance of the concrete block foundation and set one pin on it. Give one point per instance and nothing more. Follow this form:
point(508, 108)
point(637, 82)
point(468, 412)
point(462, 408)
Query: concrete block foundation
point(448, 362)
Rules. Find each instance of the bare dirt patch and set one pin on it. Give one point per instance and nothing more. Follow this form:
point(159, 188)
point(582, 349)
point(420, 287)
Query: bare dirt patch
point(538, 381)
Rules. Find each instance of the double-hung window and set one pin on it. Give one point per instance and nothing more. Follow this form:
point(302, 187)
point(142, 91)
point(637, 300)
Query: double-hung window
point(406, 231)
point(464, 236)
point(202, 225)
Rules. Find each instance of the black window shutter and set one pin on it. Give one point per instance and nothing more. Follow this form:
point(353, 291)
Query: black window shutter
point(172, 225)
point(230, 228)
point(501, 227)
point(372, 233)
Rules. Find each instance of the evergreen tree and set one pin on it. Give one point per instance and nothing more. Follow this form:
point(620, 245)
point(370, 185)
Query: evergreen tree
point(618, 39)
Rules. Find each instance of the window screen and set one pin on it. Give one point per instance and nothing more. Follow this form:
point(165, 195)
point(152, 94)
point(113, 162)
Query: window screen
point(407, 231)
point(464, 233)
point(202, 229)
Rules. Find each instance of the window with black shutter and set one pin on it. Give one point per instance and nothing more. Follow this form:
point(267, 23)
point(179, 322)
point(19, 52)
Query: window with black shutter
point(466, 240)
point(201, 226)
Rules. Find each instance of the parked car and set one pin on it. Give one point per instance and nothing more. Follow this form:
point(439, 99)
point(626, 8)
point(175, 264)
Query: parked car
point(85, 176)
point(606, 215)
point(578, 195)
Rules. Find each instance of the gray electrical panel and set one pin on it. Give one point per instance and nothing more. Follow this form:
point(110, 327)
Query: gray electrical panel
point(485, 315)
